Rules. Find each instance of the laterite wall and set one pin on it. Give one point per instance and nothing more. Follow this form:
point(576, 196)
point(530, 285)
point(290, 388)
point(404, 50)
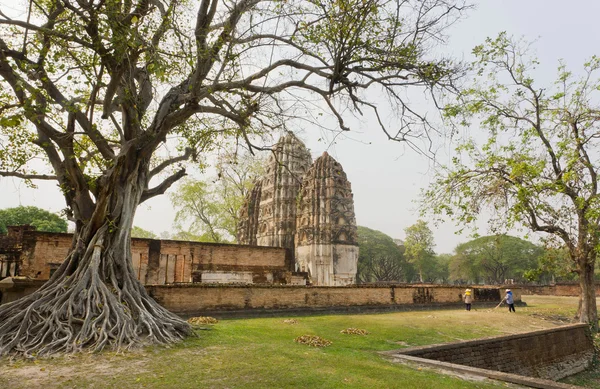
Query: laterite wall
point(194, 298)
point(165, 261)
point(550, 354)
point(571, 289)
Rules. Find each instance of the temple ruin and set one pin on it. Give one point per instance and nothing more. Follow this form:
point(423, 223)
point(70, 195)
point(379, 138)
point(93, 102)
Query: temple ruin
point(35, 255)
point(326, 234)
point(305, 207)
point(248, 227)
point(276, 218)
point(297, 225)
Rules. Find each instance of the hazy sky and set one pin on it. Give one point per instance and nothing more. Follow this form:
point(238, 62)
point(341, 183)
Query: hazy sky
point(387, 177)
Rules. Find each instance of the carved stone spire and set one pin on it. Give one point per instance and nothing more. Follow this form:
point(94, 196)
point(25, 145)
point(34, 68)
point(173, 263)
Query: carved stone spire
point(280, 185)
point(248, 220)
point(326, 234)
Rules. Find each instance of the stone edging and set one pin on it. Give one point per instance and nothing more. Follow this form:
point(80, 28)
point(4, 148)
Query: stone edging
point(496, 375)
point(491, 339)
point(423, 355)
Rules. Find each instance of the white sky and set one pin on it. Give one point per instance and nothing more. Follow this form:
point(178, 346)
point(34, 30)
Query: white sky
point(387, 177)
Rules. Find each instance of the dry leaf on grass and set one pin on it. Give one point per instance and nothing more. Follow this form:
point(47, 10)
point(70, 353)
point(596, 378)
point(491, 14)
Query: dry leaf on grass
point(313, 341)
point(354, 331)
point(202, 320)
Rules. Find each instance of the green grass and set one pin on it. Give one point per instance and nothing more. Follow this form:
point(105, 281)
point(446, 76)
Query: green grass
point(261, 353)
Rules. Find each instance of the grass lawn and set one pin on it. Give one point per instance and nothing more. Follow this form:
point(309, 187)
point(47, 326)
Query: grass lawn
point(261, 353)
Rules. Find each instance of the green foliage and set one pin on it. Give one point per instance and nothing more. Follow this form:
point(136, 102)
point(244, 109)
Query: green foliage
point(189, 237)
point(41, 219)
point(440, 272)
point(196, 202)
point(380, 258)
point(419, 246)
point(553, 265)
point(493, 259)
point(534, 159)
point(211, 207)
point(138, 232)
point(88, 62)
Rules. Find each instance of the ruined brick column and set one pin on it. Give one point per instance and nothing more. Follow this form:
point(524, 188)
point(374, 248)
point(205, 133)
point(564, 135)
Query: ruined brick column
point(273, 222)
point(248, 221)
point(277, 215)
point(326, 234)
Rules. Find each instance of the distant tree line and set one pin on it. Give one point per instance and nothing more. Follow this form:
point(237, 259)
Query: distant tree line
point(494, 259)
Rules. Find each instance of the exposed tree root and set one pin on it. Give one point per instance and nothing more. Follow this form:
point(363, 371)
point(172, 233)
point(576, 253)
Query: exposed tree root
point(99, 305)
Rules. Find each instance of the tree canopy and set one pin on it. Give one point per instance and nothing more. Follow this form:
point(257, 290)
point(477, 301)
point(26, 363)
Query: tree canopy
point(41, 219)
point(494, 259)
point(552, 266)
point(419, 244)
point(116, 96)
point(439, 272)
point(533, 160)
point(380, 258)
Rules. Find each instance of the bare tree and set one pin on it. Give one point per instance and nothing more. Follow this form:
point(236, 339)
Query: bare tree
point(97, 87)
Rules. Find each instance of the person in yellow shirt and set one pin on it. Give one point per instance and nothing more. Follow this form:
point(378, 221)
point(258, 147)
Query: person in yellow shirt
point(468, 299)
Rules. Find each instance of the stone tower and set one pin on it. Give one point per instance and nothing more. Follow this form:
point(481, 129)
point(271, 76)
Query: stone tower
point(248, 225)
point(280, 185)
point(326, 234)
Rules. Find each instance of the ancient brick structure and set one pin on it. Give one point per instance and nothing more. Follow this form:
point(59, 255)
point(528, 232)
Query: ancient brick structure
point(28, 253)
point(202, 299)
point(326, 236)
point(11, 247)
point(558, 289)
point(280, 185)
point(248, 228)
point(317, 221)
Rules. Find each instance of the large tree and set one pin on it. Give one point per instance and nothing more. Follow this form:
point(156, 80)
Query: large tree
point(419, 244)
point(101, 88)
point(380, 258)
point(440, 273)
point(494, 259)
point(534, 161)
point(41, 219)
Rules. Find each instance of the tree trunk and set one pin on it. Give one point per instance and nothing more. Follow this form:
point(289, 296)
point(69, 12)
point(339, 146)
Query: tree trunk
point(588, 312)
point(94, 299)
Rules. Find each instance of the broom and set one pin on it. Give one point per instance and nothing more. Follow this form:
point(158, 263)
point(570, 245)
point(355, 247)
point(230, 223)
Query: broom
point(499, 304)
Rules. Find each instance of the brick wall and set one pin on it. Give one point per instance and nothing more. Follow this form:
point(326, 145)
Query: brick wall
point(164, 261)
point(549, 354)
point(194, 298)
point(571, 289)
point(43, 252)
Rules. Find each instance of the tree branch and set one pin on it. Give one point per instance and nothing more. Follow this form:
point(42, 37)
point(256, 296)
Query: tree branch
point(162, 187)
point(26, 176)
point(184, 157)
